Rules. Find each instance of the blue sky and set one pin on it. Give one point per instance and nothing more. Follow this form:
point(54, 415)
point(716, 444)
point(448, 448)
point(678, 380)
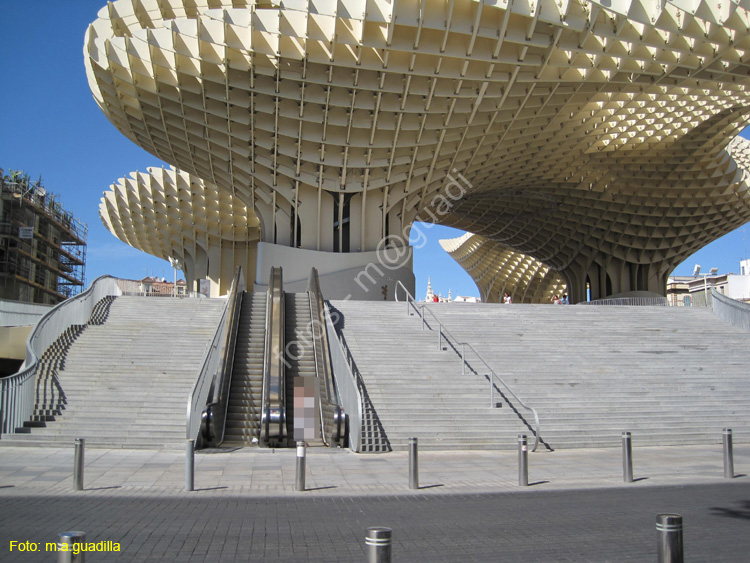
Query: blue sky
point(51, 127)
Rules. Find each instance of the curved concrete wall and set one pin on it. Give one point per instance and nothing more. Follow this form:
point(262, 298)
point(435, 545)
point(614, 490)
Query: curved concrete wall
point(369, 276)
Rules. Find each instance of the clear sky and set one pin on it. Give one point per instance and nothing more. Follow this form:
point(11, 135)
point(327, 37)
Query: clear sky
point(51, 127)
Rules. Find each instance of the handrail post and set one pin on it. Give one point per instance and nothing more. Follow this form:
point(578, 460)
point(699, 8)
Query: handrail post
point(490, 376)
point(423, 319)
point(463, 359)
point(440, 336)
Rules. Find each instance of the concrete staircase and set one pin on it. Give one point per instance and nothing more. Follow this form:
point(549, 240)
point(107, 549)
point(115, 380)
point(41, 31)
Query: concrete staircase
point(670, 376)
point(245, 396)
point(127, 381)
point(415, 390)
point(50, 398)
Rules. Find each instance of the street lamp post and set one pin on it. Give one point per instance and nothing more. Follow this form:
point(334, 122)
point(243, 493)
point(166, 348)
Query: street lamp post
point(711, 272)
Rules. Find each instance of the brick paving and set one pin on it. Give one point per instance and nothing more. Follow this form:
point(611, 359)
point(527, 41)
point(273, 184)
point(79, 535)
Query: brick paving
point(470, 507)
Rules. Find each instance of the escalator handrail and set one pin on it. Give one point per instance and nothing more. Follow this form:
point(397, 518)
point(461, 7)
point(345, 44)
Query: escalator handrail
point(214, 363)
point(218, 396)
point(273, 414)
point(347, 376)
point(330, 429)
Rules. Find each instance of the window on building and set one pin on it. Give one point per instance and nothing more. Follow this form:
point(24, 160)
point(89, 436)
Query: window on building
point(295, 227)
point(341, 227)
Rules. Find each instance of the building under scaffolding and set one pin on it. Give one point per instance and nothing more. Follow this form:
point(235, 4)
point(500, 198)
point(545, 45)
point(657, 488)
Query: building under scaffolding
point(42, 246)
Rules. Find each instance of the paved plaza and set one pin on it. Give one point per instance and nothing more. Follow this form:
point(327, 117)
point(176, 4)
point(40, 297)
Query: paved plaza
point(469, 506)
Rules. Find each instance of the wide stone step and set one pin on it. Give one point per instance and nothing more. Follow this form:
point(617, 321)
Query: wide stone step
point(587, 370)
point(127, 380)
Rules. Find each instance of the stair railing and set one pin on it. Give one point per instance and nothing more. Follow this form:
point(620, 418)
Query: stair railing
point(442, 332)
point(208, 401)
point(629, 301)
point(273, 413)
point(17, 392)
point(730, 310)
point(333, 430)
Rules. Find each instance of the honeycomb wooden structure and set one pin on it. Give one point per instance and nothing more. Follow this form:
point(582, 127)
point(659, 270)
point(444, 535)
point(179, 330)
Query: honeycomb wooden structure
point(592, 136)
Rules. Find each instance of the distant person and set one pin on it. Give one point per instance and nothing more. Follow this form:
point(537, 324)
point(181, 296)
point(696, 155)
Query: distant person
point(435, 298)
point(565, 299)
point(507, 299)
point(555, 299)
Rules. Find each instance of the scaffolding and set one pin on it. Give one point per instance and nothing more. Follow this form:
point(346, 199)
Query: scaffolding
point(42, 246)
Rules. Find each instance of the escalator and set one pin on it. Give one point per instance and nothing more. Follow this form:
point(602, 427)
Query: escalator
point(245, 396)
point(300, 355)
point(279, 337)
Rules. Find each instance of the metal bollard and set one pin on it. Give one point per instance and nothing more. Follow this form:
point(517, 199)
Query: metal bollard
point(190, 465)
point(523, 461)
point(78, 464)
point(627, 458)
point(413, 464)
point(65, 549)
point(378, 542)
point(728, 454)
point(669, 538)
point(301, 453)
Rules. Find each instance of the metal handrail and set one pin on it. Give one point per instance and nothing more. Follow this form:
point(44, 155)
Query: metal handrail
point(17, 392)
point(410, 302)
point(186, 295)
point(203, 383)
point(199, 393)
point(730, 310)
point(331, 429)
point(321, 365)
point(273, 413)
point(207, 402)
point(628, 301)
